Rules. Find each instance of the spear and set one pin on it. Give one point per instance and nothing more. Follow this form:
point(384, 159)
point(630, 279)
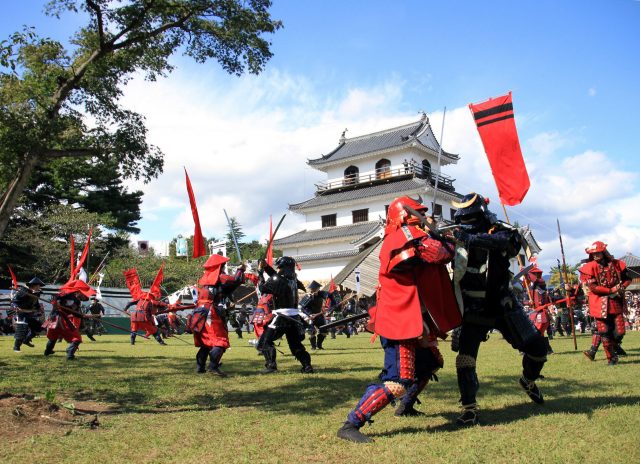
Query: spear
point(564, 272)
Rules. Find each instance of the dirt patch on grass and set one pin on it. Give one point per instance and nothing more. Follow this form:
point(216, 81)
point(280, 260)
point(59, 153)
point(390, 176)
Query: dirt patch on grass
point(24, 416)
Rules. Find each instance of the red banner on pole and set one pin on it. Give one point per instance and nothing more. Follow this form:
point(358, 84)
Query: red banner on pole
point(83, 256)
point(497, 129)
point(14, 279)
point(269, 257)
point(198, 240)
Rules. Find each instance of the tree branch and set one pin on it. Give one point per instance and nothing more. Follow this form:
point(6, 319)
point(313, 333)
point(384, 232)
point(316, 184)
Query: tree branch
point(95, 7)
point(151, 34)
point(72, 152)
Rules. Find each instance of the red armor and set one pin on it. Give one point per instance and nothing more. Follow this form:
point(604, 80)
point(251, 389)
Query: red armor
point(600, 280)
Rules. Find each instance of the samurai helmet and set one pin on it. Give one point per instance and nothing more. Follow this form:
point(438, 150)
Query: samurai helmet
point(313, 286)
point(472, 210)
point(286, 264)
point(596, 247)
point(35, 281)
point(397, 214)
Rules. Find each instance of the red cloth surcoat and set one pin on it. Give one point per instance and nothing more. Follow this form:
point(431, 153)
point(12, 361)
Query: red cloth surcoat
point(412, 282)
point(600, 280)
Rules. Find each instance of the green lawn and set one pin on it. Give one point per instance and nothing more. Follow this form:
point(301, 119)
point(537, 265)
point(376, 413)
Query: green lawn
point(163, 412)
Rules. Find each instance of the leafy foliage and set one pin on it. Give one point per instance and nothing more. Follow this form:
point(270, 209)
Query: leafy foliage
point(59, 105)
point(570, 271)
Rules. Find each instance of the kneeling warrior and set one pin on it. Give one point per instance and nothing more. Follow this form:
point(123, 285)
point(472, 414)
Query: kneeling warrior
point(287, 319)
point(415, 303)
point(28, 310)
point(606, 278)
point(66, 316)
point(208, 323)
point(312, 305)
point(489, 301)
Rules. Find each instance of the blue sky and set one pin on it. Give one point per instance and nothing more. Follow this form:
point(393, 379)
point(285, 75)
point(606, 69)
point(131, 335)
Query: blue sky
point(573, 67)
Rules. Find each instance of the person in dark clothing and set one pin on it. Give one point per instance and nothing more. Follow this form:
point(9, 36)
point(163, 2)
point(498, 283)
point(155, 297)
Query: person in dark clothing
point(28, 309)
point(489, 302)
point(287, 319)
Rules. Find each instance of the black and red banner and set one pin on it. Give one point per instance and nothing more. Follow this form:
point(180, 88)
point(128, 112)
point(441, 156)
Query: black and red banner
point(497, 128)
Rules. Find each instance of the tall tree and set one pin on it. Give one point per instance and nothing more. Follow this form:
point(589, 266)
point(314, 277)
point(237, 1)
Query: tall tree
point(237, 230)
point(571, 272)
point(63, 104)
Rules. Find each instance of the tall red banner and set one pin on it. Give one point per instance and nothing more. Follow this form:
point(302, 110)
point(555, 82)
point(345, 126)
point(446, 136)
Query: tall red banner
point(14, 279)
point(497, 128)
point(198, 240)
point(269, 258)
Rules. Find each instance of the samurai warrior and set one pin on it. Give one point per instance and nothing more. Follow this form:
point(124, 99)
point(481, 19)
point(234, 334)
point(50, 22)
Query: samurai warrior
point(208, 323)
point(66, 317)
point(28, 311)
point(147, 305)
point(312, 304)
point(540, 315)
point(606, 279)
point(287, 320)
point(415, 304)
point(484, 285)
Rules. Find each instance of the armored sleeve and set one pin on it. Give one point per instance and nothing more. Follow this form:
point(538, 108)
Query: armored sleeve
point(503, 241)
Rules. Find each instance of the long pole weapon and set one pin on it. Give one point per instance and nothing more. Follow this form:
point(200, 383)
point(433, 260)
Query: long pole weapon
point(564, 271)
point(99, 268)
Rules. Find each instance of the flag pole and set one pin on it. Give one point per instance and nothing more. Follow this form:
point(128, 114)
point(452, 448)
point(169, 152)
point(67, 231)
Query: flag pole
point(520, 260)
point(435, 187)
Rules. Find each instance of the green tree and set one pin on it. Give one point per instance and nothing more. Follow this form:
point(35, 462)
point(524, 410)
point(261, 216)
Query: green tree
point(237, 230)
point(571, 273)
point(63, 104)
point(40, 246)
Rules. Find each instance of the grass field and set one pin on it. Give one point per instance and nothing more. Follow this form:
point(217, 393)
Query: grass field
point(159, 410)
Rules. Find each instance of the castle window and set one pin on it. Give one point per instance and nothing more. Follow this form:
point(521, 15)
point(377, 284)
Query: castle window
point(453, 212)
point(351, 175)
point(383, 169)
point(360, 215)
point(329, 220)
point(426, 168)
point(437, 210)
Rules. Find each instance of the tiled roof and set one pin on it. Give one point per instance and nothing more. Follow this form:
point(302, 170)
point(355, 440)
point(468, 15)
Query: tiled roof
point(419, 131)
point(351, 230)
point(399, 187)
point(368, 263)
point(631, 261)
point(327, 255)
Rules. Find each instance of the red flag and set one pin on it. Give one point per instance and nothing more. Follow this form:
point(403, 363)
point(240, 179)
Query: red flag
point(332, 288)
point(73, 257)
point(270, 249)
point(14, 279)
point(132, 280)
point(198, 240)
point(497, 129)
point(155, 286)
point(83, 257)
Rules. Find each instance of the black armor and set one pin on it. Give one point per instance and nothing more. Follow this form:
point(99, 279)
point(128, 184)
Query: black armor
point(284, 286)
point(27, 309)
point(489, 301)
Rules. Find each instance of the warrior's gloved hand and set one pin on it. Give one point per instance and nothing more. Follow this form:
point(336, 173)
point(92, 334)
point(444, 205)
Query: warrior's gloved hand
point(460, 235)
point(242, 267)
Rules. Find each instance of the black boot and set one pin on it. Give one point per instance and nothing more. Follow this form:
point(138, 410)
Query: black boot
point(159, 338)
point(201, 359)
point(214, 364)
point(590, 354)
point(312, 340)
point(532, 390)
point(91, 337)
point(305, 359)
point(352, 433)
point(407, 402)
point(16, 346)
point(71, 350)
point(49, 348)
point(133, 338)
point(321, 338)
point(270, 365)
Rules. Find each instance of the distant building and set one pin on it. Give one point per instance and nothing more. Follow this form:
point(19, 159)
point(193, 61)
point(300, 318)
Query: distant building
point(345, 218)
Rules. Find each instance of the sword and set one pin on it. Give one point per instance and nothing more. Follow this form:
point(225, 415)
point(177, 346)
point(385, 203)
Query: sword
point(273, 236)
point(524, 271)
point(346, 320)
point(233, 235)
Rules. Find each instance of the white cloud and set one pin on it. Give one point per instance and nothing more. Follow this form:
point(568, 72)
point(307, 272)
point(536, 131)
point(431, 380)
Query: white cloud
point(245, 144)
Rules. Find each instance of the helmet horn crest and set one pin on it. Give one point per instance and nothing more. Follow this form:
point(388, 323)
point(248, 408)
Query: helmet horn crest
point(466, 204)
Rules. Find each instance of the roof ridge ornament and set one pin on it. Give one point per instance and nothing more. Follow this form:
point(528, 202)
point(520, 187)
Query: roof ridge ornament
point(343, 137)
point(423, 116)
